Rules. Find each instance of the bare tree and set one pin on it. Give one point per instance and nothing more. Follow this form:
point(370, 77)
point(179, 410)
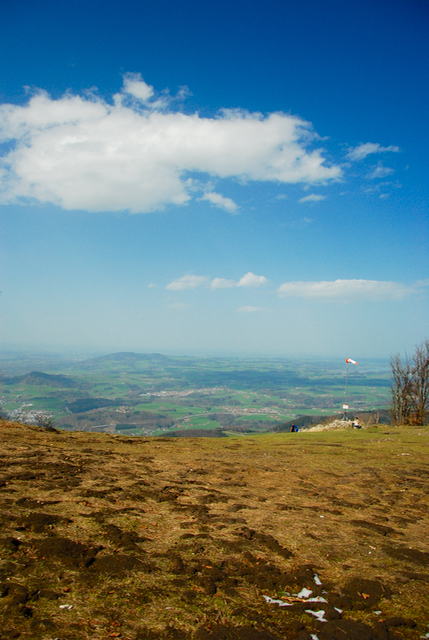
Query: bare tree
point(45, 420)
point(402, 389)
point(410, 386)
point(420, 373)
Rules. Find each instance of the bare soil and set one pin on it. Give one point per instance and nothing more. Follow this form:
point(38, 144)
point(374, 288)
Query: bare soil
point(246, 538)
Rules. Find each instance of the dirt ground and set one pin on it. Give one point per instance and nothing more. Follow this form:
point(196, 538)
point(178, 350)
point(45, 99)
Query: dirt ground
point(308, 536)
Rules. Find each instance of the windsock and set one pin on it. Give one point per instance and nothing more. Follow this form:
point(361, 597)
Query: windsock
point(351, 361)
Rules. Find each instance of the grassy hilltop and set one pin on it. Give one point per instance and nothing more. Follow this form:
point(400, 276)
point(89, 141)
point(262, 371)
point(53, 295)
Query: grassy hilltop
point(106, 536)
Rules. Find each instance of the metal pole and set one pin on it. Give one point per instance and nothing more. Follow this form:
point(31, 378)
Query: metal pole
point(347, 382)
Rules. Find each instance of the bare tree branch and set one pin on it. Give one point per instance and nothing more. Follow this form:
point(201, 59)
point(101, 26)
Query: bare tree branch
point(410, 386)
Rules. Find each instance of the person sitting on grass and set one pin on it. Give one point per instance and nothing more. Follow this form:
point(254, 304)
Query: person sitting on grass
point(356, 424)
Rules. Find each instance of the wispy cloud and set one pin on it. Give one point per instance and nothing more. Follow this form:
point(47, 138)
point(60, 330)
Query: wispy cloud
point(363, 150)
point(220, 201)
point(192, 282)
point(380, 172)
point(135, 154)
point(222, 283)
point(351, 290)
point(179, 306)
point(186, 282)
point(313, 197)
point(378, 187)
point(250, 309)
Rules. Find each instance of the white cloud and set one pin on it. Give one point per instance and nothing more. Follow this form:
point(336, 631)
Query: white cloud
point(222, 283)
point(135, 154)
point(186, 282)
point(381, 186)
point(250, 309)
point(220, 201)
point(152, 285)
point(363, 150)
point(380, 172)
point(135, 85)
point(351, 290)
point(250, 280)
point(192, 282)
point(313, 197)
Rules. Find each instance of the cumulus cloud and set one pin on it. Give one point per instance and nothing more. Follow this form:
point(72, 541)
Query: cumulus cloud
point(220, 201)
point(350, 290)
point(81, 152)
point(135, 86)
point(186, 282)
point(250, 280)
point(363, 150)
point(313, 197)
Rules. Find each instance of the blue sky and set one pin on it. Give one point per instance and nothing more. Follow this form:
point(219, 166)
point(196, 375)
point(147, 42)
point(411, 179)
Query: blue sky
point(244, 178)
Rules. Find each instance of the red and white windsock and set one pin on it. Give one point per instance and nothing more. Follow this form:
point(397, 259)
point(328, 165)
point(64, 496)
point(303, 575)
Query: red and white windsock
point(350, 361)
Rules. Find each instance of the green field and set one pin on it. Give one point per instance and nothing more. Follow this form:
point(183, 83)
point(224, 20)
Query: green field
point(153, 393)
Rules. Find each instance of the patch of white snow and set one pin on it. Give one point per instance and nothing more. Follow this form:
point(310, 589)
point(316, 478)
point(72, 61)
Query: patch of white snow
point(320, 615)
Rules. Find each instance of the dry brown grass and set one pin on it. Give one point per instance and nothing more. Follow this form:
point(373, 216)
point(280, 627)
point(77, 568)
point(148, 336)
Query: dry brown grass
point(180, 538)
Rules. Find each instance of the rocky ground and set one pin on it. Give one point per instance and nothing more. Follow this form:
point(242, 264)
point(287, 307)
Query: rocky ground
point(288, 536)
